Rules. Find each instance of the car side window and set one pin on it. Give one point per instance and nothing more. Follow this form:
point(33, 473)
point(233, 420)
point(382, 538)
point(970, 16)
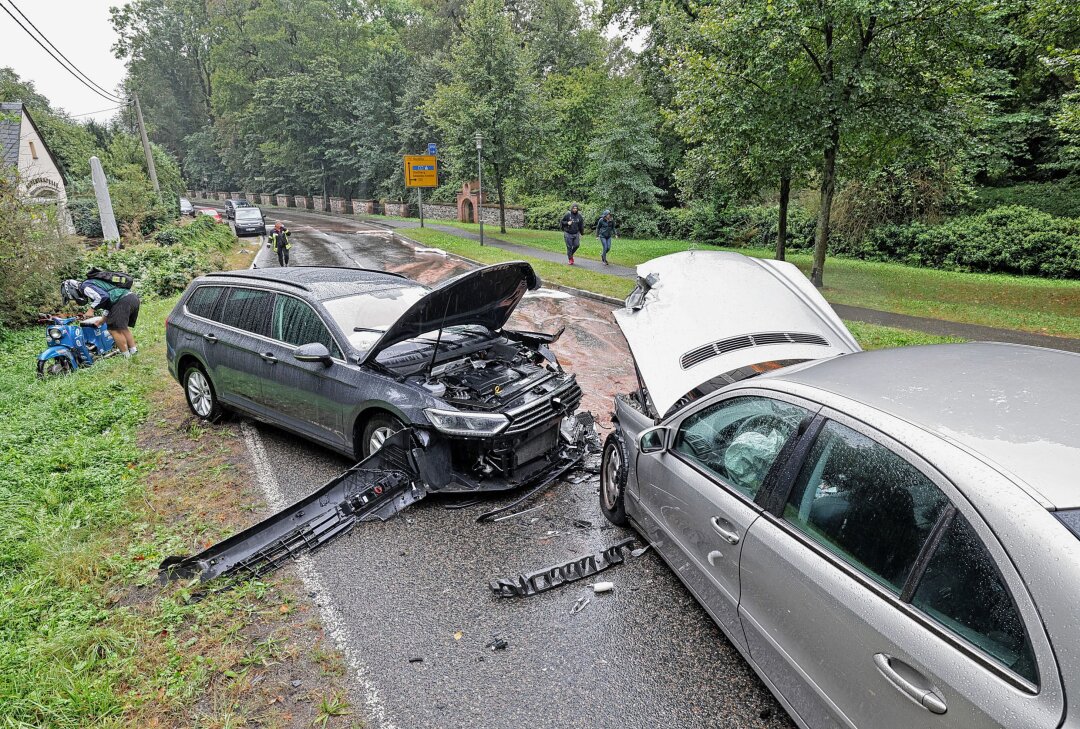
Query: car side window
point(865, 503)
point(297, 323)
point(249, 309)
point(962, 590)
point(202, 301)
point(739, 439)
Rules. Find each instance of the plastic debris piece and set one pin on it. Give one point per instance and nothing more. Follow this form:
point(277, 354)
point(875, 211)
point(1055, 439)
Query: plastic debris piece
point(498, 644)
point(533, 583)
point(416, 659)
point(518, 513)
point(603, 587)
point(457, 635)
point(582, 523)
point(579, 605)
point(640, 551)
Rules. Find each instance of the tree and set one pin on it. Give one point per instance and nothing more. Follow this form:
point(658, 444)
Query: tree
point(623, 155)
point(870, 74)
point(491, 91)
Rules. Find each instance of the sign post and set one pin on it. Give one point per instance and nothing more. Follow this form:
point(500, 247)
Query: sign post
point(421, 170)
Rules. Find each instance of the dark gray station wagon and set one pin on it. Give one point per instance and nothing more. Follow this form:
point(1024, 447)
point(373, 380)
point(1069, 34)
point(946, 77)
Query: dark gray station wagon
point(346, 357)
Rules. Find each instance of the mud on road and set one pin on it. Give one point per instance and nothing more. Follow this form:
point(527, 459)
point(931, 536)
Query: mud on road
point(408, 600)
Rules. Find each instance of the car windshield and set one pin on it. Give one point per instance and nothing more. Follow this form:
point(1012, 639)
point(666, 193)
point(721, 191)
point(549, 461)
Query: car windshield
point(248, 214)
point(364, 317)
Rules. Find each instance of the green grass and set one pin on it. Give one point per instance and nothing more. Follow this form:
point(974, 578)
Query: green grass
point(1009, 302)
point(872, 336)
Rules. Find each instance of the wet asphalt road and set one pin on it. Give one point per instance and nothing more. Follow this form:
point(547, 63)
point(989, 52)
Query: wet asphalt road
point(645, 655)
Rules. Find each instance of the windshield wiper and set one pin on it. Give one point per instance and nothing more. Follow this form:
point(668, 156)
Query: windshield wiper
point(368, 329)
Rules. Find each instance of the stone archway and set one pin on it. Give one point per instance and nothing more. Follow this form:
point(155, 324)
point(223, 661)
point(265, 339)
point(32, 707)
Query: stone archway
point(468, 196)
point(467, 214)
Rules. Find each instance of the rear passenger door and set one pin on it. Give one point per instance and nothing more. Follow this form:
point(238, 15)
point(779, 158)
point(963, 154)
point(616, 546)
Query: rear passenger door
point(242, 341)
point(308, 396)
point(870, 599)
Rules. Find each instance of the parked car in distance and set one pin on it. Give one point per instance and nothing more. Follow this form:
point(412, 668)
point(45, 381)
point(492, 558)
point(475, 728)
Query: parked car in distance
point(186, 208)
point(249, 221)
point(891, 539)
point(216, 215)
point(348, 357)
point(232, 205)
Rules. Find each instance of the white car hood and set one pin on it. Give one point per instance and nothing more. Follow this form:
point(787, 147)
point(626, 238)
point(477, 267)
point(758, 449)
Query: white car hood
point(708, 313)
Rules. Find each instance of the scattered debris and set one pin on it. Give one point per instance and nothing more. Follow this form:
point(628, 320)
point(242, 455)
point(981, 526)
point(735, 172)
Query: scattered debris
point(296, 683)
point(416, 659)
point(640, 551)
point(533, 583)
point(457, 635)
point(462, 504)
point(603, 587)
point(552, 477)
point(579, 605)
point(518, 513)
point(582, 523)
point(498, 644)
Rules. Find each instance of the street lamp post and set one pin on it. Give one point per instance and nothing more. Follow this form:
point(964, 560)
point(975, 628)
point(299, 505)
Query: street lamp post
point(480, 185)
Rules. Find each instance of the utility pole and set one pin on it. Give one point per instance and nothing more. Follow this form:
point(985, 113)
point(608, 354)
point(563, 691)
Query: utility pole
point(480, 184)
point(420, 198)
point(146, 145)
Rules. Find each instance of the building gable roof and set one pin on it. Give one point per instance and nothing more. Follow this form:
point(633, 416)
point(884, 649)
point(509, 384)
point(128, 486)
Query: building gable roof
point(10, 136)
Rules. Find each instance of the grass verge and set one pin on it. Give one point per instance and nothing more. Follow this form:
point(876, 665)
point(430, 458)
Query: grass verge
point(1009, 302)
point(103, 474)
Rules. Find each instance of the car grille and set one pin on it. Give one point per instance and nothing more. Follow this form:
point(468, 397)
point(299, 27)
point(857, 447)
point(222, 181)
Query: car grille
point(745, 341)
point(545, 409)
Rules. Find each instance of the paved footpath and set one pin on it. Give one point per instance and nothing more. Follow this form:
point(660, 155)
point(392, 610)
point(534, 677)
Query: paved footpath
point(857, 313)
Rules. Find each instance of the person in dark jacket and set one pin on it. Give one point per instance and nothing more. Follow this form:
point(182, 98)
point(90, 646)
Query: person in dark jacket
point(573, 225)
point(605, 229)
point(279, 241)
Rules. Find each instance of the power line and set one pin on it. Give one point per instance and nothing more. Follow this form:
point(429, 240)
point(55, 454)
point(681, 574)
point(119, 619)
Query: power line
point(99, 111)
point(107, 97)
point(53, 46)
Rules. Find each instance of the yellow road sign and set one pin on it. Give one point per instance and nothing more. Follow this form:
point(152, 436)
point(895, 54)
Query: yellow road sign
point(421, 170)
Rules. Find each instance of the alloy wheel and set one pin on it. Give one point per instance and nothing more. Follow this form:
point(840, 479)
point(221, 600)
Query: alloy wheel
point(199, 393)
point(610, 477)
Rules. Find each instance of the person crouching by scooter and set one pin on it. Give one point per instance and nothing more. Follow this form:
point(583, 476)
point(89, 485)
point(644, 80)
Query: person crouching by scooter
point(121, 308)
point(279, 241)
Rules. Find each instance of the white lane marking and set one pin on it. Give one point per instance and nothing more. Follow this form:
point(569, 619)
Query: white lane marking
point(332, 619)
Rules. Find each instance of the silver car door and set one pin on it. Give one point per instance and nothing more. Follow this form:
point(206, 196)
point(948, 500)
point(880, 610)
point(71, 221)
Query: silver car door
point(870, 602)
point(700, 492)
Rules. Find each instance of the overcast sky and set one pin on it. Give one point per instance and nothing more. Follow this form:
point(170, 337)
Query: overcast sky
point(81, 30)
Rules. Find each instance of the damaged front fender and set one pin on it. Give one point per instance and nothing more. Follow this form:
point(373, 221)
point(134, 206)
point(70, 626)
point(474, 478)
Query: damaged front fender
point(376, 488)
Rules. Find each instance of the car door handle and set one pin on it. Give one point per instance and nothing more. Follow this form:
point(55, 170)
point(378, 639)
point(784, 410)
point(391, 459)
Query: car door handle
point(907, 681)
point(269, 357)
point(210, 337)
point(723, 528)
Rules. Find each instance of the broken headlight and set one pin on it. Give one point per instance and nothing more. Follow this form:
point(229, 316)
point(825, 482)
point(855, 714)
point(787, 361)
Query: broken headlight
point(453, 422)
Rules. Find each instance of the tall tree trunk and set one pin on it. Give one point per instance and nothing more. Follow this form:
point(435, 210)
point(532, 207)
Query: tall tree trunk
point(828, 187)
point(502, 204)
point(781, 223)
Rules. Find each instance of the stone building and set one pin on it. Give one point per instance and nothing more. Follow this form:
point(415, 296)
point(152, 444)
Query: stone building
point(23, 149)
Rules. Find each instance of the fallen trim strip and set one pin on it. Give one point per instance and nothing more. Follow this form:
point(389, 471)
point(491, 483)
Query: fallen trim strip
point(533, 583)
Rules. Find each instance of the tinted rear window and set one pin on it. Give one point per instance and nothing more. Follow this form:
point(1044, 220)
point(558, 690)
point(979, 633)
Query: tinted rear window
point(202, 301)
point(248, 213)
point(249, 309)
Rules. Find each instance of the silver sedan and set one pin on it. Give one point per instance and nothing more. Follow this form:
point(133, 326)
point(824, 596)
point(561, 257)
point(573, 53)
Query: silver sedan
point(891, 539)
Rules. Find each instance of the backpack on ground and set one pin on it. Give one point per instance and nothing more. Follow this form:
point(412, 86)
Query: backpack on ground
point(117, 279)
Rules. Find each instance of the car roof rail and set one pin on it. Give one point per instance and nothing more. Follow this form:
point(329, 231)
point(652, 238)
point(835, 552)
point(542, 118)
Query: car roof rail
point(255, 277)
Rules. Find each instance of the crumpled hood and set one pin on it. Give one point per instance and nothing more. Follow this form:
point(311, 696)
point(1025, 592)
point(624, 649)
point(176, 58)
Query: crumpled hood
point(697, 315)
point(486, 296)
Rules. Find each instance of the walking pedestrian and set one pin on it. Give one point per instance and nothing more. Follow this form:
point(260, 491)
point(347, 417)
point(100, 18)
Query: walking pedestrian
point(573, 225)
point(121, 307)
point(605, 229)
point(279, 241)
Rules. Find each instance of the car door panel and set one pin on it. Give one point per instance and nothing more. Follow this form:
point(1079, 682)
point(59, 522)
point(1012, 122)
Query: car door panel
point(842, 643)
point(240, 344)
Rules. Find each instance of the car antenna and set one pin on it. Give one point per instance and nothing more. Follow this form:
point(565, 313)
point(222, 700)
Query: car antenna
point(438, 338)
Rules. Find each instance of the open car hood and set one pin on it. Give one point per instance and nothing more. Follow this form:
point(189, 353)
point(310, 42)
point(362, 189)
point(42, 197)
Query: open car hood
point(700, 315)
point(486, 296)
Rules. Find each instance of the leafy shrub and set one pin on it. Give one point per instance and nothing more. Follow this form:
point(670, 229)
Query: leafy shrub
point(544, 213)
point(1007, 239)
point(1060, 197)
point(755, 226)
point(84, 216)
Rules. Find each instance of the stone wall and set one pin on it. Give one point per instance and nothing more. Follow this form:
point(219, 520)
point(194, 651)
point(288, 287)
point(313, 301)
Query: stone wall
point(515, 216)
point(440, 211)
point(284, 201)
point(302, 202)
point(340, 205)
point(396, 209)
point(364, 207)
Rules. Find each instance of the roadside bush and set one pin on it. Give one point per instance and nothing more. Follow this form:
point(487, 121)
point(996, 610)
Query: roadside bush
point(1060, 197)
point(544, 213)
point(1007, 239)
point(748, 226)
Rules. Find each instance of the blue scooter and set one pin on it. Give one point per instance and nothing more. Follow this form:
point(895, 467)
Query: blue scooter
point(73, 344)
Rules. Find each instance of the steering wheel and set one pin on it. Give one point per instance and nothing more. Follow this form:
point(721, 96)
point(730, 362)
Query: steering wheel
point(757, 424)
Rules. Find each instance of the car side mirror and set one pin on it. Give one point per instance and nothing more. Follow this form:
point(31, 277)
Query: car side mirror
point(314, 352)
point(654, 440)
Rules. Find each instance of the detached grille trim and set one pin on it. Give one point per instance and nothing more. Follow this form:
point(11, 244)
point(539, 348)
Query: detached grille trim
point(745, 341)
point(544, 410)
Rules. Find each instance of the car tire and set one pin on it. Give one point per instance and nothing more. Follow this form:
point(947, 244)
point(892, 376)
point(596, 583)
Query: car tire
point(377, 429)
point(200, 394)
point(613, 470)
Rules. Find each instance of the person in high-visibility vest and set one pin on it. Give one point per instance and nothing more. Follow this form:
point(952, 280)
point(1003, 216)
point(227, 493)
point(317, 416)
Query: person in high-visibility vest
point(279, 241)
